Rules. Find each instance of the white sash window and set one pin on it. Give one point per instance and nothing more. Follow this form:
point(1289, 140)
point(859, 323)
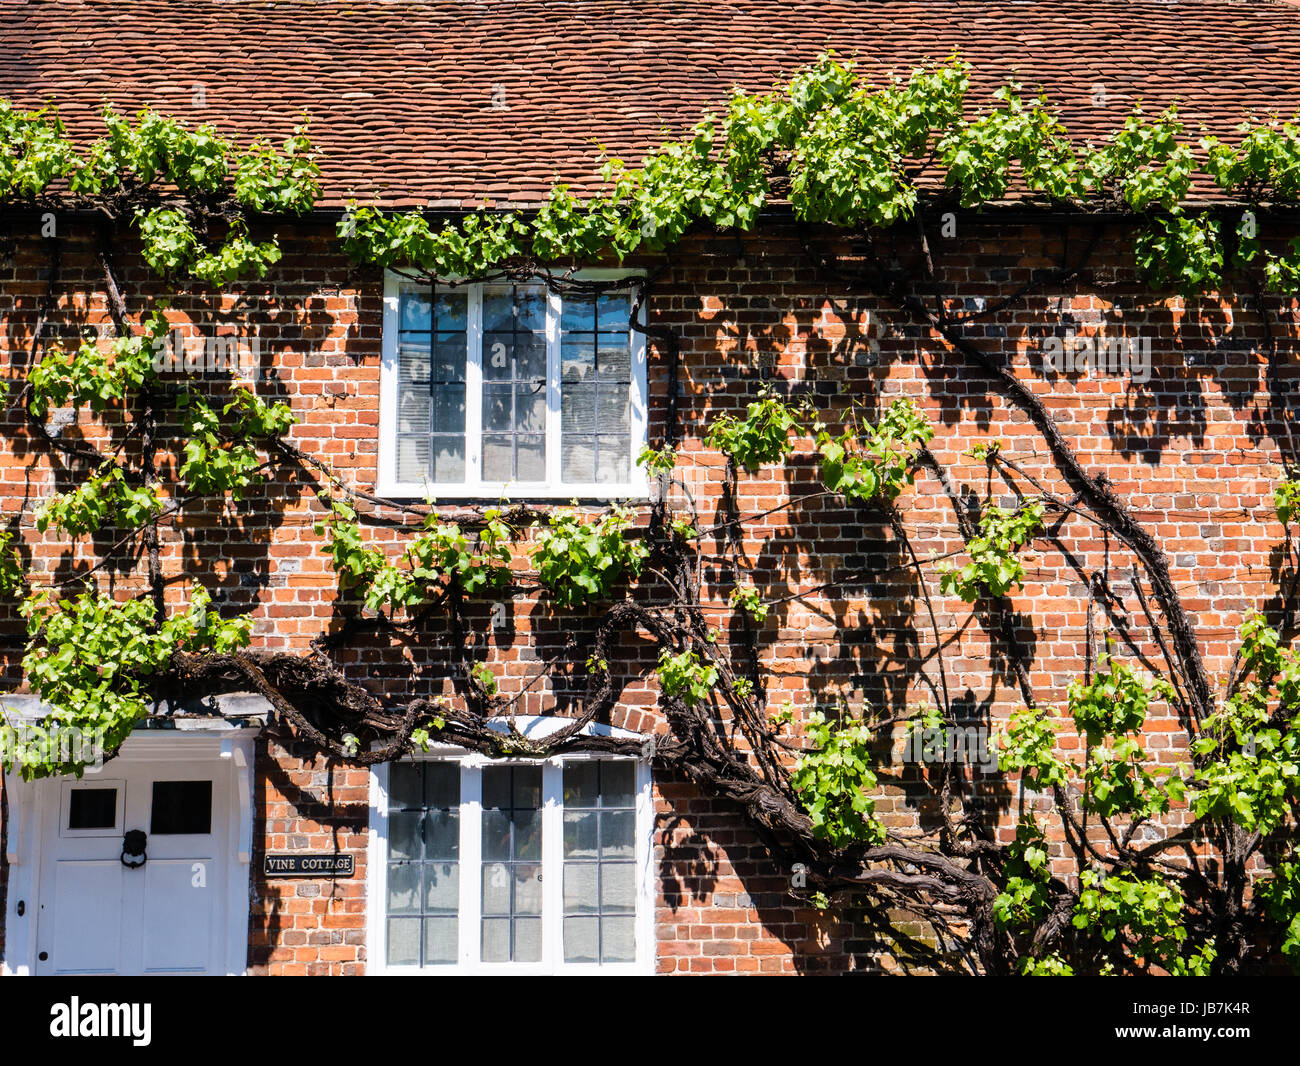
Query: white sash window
point(505, 389)
point(518, 866)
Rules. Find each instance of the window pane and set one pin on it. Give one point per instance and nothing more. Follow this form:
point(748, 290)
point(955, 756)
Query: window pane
point(496, 939)
point(404, 787)
point(530, 407)
point(498, 414)
point(412, 458)
point(528, 939)
point(449, 409)
point(442, 834)
point(527, 790)
point(92, 808)
point(417, 308)
point(415, 411)
point(496, 786)
point(581, 887)
point(577, 359)
point(581, 939)
point(580, 835)
point(613, 361)
point(578, 463)
point(452, 308)
point(613, 412)
point(578, 408)
point(441, 888)
point(531, 464)
point(528, 836)
point(579, 313)
point(449, 358)
point(404, 888)
point(413, 366)
point(181, 808)
point(496, 835)
point(614, 312)
point(617, 887)
point(449, 458)
point(441, 940)
point(498, 458)
point(617, 783)
point(611, 460)
point(496, 888)
point(442, 785)
point(581, 784)
point(403, 941)
point(404, 835)
point(618, 940)
point(617, 833)
point(528, 889)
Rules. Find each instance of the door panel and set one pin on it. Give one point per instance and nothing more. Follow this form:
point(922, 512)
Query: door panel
point(87, 938)
point(178, 915)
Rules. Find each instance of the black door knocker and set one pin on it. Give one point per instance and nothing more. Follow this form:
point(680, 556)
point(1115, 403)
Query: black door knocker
point(133, 853)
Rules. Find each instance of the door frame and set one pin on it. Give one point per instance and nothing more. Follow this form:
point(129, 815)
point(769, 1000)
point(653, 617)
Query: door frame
point(31, 802)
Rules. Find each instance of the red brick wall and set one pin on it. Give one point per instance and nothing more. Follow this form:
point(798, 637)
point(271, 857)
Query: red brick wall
point(301, 926)
point(1187, 451)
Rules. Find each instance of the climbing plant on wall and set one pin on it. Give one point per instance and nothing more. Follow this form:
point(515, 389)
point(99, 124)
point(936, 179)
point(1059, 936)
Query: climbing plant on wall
point(847, 158)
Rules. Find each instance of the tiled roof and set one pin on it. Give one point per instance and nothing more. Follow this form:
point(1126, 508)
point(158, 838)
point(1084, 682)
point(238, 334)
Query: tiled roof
point(448, 102)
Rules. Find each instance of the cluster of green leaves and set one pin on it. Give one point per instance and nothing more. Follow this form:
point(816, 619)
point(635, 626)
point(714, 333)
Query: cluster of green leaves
point(1028, 747)
point(94, 376)
point(1109, 712)
point(1249, 752)
point(748, 599)
point(1280, 896)
point(1145, 915)
point(89, 657)
point(1286, 499)
point(762, 436)
point(685, 676)
point(1024, 899)
point(441, 558)
point(995, 567)
point(979, 154)
point(582, 562)
point(160, 156)
point(12, 575)
point(853, 155)
point(105, 498)
point(874, 462)
point(220, 450)
point(658, 462)
point(833, 780)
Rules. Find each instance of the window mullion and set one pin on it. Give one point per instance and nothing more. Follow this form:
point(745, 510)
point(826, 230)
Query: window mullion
point(471, 852)
point(645, 872)
point(553, 865)
point(553, 467)
point(474, 388)
point(638, 404)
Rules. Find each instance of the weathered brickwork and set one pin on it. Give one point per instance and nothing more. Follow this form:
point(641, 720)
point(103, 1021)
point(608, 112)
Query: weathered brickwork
point(1189, 449)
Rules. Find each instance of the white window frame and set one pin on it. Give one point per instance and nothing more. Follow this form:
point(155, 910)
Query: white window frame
point(637, 485)
point(470, 860)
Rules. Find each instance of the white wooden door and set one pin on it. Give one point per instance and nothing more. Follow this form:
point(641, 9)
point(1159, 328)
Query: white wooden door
point(165, 915)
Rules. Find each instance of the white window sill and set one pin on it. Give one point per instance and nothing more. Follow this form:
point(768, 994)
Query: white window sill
point(514, 492)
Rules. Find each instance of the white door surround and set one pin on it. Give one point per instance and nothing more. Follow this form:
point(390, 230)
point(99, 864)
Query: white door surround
point(75, 906)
